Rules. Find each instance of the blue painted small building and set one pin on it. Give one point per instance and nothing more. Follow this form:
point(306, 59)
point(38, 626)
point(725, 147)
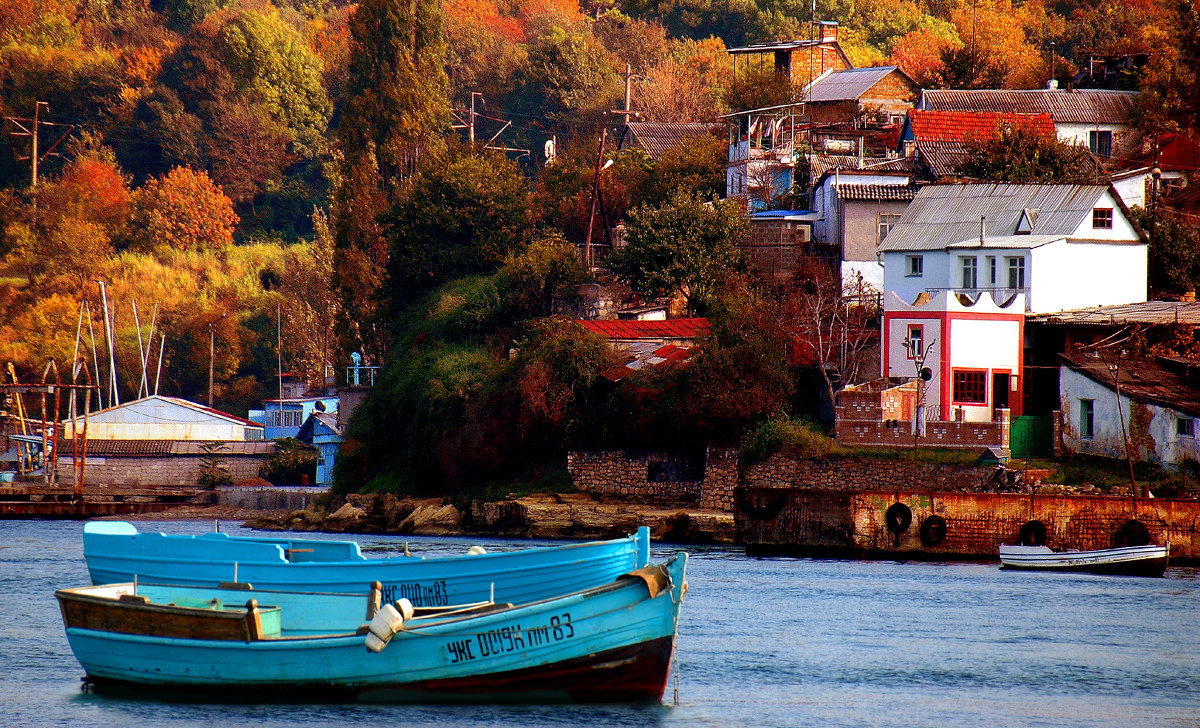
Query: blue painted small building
point(321, 430)
point(282, 418)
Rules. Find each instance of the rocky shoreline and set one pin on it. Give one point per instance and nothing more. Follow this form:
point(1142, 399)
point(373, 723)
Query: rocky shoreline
point(541, 516)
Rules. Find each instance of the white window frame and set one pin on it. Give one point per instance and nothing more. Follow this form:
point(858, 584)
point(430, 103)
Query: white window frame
point(1016, 272)
point(969, 265)
point(1087, 419)
point(914, 266)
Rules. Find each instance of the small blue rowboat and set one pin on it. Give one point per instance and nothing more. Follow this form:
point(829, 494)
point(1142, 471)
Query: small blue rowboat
point(607, 643)
point(116, 552)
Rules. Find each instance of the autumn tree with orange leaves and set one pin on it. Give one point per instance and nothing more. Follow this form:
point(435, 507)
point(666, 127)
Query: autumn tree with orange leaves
point(183, 210)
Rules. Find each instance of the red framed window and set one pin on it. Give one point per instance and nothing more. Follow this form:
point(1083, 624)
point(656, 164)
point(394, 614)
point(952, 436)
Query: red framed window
point(970, 386)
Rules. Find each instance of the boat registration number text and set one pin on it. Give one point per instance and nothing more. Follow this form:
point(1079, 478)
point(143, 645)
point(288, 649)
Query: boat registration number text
point(509, 639)
point(421, 595)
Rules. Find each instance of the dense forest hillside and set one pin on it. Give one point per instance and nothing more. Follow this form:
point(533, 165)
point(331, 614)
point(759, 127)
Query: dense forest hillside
point(242, 172)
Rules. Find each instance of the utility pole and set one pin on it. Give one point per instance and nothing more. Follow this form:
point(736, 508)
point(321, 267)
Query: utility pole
point(587, 242)
point(628, 111)
point(30, 127)
point(471, 126)
point(33, 157)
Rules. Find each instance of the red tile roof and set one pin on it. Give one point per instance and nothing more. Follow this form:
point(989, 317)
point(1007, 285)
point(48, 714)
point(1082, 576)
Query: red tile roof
point(688, 328)
point(961, 126)
point(1175, 153)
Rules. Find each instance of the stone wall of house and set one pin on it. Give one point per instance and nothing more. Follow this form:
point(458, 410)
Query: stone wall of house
point(150, 471)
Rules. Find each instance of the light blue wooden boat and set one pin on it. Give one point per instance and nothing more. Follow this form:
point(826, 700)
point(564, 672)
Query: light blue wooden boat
point(116, 552)
point(608, 643)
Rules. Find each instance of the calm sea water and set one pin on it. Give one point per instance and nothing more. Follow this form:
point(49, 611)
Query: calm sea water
point(763, 642)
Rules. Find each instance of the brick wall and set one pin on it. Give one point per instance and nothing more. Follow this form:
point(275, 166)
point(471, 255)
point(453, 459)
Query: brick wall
point(871, 416)
point(892, 86)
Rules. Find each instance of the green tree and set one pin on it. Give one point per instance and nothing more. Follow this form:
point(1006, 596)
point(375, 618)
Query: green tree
point(569, 74)
point(396, 105)
point(458, 218)
point(1019, 154)
point(1174, 251)
point(686, 247)
point(549, 270)
point(273, 67)
point(395, 112)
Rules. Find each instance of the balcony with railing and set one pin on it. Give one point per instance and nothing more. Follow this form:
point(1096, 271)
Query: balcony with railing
point(1000, 294)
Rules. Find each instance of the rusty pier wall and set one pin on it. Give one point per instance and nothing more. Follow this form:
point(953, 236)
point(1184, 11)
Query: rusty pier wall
point(807, 521)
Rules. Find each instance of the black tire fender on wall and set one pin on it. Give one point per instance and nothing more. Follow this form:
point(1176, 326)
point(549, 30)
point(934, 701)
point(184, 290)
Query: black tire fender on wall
point(933, 531)
point(1033, 533)
point(898, 517)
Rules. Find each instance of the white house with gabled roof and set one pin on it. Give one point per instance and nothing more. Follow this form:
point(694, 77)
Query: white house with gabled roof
point(1064, 246)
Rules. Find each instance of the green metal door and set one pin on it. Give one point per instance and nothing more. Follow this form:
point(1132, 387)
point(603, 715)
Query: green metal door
point(1031, 436)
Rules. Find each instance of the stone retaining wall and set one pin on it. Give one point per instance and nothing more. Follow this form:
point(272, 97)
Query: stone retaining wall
point(619, 472)
point(858, 474)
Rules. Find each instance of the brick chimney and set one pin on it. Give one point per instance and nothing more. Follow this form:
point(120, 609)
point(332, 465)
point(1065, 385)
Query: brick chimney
point(829, 31)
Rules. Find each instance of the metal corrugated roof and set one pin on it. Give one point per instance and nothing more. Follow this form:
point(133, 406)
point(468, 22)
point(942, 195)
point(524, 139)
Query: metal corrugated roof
point(847, 84)
point(1083, 106)
point(138, 409)
point(162, 448)
point(656, 138)
point(686, 328)
point(942, 215)
point(943, 159)
point(779, 45)
point(1146, 312)
point(822, 164)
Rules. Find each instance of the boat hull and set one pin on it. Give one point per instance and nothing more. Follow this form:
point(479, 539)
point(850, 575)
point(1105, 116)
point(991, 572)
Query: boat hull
point(607, 643)
point(1129, 561)
point(116, 552)
point(630, 674)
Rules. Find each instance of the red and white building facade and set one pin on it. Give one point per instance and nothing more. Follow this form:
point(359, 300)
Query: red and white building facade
point(974, 352)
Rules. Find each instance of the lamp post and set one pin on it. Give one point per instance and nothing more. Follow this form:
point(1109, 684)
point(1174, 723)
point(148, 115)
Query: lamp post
point(1155, 175)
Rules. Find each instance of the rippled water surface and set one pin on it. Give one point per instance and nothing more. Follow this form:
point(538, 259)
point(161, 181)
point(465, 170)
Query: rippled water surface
point(763, 642)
